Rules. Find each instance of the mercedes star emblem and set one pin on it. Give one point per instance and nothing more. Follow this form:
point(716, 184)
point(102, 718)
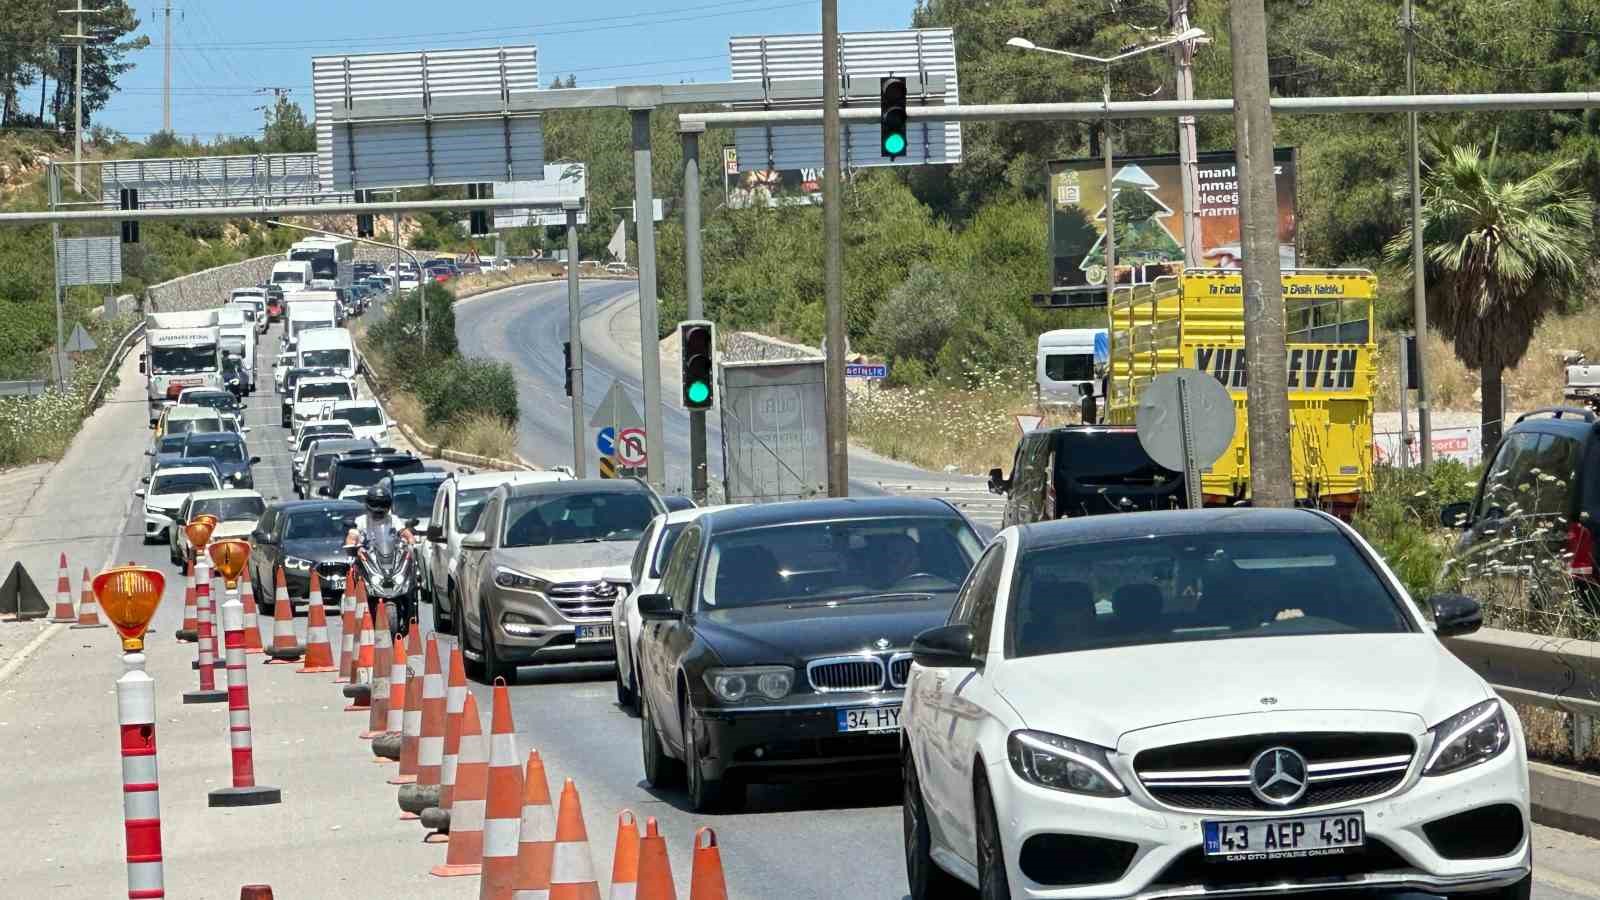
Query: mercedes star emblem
point(1278, 776)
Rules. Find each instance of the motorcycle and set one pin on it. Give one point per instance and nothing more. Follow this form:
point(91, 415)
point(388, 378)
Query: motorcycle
point(388, 567)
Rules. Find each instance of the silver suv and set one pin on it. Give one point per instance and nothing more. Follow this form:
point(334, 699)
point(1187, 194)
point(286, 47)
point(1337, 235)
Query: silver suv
point(546, 563)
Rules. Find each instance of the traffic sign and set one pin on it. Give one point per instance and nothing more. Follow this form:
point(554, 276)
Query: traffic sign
point(605, 440)
point(1027, 422)
point(866, 370)
point(631, 447)
point(608, 467)
point(1186, 420)
point(79, 341)
point(616, 410)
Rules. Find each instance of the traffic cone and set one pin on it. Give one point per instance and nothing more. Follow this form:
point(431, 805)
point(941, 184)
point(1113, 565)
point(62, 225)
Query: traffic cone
point(411, 715)
point(536, 837)
point(430, 742)
point(319, 653)
point(705, 879)
point(383, 652)
point(464, 856)
point(655, 869)
point(252, 623)
point(88, 609)
point(347, 636)
point(455, 698)
point(625, 861)
point(361, 700)
point(503, 810)
point(190, 629)
point(63, 611)
point(394, 726)
point(285, 647)
point(572, 872)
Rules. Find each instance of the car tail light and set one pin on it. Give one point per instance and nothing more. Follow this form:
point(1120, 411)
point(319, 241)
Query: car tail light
point(1580, 546)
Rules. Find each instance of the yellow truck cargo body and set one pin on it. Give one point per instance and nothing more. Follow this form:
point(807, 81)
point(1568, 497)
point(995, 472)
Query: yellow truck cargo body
point(1196, 320)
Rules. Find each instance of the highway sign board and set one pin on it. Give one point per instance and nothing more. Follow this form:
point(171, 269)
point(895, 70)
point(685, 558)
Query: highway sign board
point(89, 260)
point(605, 440)
point(866, 370)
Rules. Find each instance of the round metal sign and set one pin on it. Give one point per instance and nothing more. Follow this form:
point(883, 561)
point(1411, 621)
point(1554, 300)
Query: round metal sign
point(1211, 418)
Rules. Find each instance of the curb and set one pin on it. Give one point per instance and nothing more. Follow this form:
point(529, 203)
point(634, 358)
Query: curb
point(1565, 799)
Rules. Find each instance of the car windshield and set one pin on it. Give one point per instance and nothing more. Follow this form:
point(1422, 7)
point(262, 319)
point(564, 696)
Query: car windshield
point(577, 518)
point(221, 451)
point(368, 475)
point(317, 524)
point(1069, 366)
point(858, 559)
point(210, 399)
point(337, 358)
point(1195, 587)
point(327, 390)
point(182, 483)
point(360, 415)
point(669, 537)
point(229, 509)
point(288, 278)
point(1109, 459)
point(180, 360)
point(414, 500)
point(322, 462)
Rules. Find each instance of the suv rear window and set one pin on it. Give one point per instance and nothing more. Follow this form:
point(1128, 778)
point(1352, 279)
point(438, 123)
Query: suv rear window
point(364, 474)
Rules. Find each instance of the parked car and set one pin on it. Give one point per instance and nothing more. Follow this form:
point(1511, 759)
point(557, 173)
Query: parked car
point(1083, 470)
point(655, 545)
point(455, 513)
point(236, 512)
point(232, 456)
point(300, 536)
point(1205, 701)
point(312, 473)
point(164, 493)
point(351, 475)
point(779, 641)
point(542, 568)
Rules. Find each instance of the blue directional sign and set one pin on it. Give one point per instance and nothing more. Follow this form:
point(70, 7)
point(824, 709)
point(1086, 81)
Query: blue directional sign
point(606, 441)
point(866, 370)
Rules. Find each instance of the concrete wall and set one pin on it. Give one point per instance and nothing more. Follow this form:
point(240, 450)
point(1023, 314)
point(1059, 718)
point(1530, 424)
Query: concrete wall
point(208, 288)
point(746, 346)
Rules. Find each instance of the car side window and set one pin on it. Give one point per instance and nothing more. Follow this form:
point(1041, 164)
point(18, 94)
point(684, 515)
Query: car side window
point(268, 521)
point(680, 571)
point(985, 585)
point(489, 519)
point(1509, 470)
point(642, 551)
point(962, 612)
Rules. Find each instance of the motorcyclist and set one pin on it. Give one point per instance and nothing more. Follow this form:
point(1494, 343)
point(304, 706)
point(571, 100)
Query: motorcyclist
point(380, 508)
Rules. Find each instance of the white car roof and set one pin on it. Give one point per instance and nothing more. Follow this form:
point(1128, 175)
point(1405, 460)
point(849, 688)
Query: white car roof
point(495, 479)
point(679, 516)
point(357, 403)
point(223, 494)
point(184, 470)
point(181, 412)
point(326, 379)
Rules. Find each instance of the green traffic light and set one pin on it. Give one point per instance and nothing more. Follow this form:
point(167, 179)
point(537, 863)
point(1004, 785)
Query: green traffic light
point(894, 144)
point(699, 392)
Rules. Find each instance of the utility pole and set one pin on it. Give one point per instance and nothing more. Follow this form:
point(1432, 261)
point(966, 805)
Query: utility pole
point(695, 294)
point(1111, 196)
point(580, 462)
point(835, 411)
point(649, 333)
point(1183, 78)
point(77, 38)
point(1419, 275)
point(166, 73)
point(1267, 394)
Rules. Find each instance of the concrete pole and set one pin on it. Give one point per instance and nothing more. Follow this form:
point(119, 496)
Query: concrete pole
point(1183, 83)
point(1111, 195)
point(77, 101)
point(1267, 395)
point(166, 73)
point(55, 244)
point(649, 331)
point(835, 409)
point(695, 292)
point(1419, 274)
point(580, 465)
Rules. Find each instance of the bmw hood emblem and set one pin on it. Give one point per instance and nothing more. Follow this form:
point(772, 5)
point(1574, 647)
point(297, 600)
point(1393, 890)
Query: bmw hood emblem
point(1279, 776)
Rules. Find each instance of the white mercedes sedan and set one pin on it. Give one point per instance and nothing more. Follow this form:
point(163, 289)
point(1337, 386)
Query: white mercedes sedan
point(1205, 703)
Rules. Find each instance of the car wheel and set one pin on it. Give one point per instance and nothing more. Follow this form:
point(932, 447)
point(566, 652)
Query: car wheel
point(992, 881)
point(443, 621)
point(660, 770)
point(926, 880)
point(493, 668)
point(705, 794)
point(627, 694)
point(1522, 890)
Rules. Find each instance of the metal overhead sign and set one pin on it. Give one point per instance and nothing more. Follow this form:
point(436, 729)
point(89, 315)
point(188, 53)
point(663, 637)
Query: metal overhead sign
point(429, 117)
point(925, 57)
point(89, 260)
point(562, 181)
point(210, 180)
point(773, 445)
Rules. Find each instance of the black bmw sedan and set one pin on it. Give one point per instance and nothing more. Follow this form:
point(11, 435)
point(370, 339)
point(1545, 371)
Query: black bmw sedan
point(779, 645)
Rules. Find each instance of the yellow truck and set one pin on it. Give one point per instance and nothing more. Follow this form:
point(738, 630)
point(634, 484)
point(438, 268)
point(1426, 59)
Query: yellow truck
point(1196, 320)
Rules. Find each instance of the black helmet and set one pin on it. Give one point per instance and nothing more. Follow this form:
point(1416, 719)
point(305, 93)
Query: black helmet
point(378, 501)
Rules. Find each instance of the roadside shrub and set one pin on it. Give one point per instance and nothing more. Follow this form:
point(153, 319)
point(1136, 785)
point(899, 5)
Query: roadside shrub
point(1401, 519)
point(399, 334)
point(461, 387)
point(918, 316)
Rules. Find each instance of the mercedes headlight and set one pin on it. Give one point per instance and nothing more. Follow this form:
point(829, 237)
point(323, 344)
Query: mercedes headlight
point(513, 580)
point(735, 685)
point(1474, 735)
point(296, 564)
point(1062, 764)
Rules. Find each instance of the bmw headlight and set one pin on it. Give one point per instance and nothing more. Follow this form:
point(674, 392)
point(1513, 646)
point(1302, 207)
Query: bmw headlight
point(1474, 735)
point(296, 564)
point(513, 580)
point(735, 685)
point(1062, 764)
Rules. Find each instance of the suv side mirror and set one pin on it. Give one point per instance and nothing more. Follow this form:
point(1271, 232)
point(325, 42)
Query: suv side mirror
point(413, 522)
point(658, 608)
point(998, 484)
point(322, 491)
point(435, 533)
point(1455, 615)
point(254, 460)
point(1456, 515)
point(945, 647)
point(477, 540)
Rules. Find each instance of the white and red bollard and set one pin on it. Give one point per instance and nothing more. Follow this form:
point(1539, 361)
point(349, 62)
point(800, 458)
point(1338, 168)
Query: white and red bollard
point(207, 692)
point(141, 799)
point(245, 791)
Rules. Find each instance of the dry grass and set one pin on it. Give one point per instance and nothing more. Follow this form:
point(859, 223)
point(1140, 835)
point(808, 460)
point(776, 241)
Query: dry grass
point(482, 435)
point(468, 285)
point(1549, 737)
point(941, 429)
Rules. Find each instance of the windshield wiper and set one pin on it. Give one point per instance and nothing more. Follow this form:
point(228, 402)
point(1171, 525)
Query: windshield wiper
point(885, 597)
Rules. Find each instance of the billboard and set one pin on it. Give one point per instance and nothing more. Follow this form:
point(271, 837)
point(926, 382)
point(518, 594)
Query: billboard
point(562, 181)
point(773, 188)
point(1150, 217)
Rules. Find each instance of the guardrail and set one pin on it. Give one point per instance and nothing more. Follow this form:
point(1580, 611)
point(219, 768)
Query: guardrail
point(117, 356)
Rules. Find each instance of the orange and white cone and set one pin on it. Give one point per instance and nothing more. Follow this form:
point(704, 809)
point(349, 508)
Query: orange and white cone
point(572, 869)
point(502, 817)
point(395, 722)
point(625, 861)
point(252, 621)
point(411, 715)
point(464, 856)
point(319, 652)
point(383, 654)
point(365, 658)
point(88, 609)
point(286, 648)
point(536, 838)
point(455, 700)
point(347, 637)
point(655, 870)
point(706, 881)
point(430, 741)
point(64, 612)
point(189, 631)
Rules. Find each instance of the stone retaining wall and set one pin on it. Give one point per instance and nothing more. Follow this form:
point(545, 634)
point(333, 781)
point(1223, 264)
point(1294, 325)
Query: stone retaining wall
point(207, 288)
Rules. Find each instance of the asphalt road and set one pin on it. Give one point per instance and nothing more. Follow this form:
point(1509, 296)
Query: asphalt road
point(806, 842)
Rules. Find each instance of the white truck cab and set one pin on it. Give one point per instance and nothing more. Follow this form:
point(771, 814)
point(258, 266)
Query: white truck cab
point(292, 275)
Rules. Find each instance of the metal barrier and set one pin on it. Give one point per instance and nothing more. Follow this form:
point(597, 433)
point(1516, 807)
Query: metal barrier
point(121, 353)
point(1553, 673)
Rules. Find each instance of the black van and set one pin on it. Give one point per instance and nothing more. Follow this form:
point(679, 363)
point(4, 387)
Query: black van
point(1083, 470)
point(1544, 483)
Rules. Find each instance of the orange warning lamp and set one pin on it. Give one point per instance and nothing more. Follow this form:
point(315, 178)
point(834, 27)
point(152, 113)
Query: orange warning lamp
point(129, 595)
point(228, 556)
point(199, 530)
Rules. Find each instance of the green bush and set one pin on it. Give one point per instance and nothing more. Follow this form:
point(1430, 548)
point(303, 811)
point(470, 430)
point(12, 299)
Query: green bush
point(399, 335)
point(461, 387)
point(1400, 518)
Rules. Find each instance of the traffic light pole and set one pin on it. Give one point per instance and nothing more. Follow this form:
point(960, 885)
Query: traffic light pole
point(695, 292)
point(835, 411)
point(649, 331)
point(580, 465)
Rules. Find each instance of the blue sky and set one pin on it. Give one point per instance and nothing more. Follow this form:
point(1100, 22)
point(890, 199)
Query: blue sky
point(224, 50)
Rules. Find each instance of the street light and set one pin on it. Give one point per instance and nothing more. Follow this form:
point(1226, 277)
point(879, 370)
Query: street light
point(1188, 35)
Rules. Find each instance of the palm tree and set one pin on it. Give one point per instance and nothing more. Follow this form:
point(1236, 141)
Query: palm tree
point(1500, 255)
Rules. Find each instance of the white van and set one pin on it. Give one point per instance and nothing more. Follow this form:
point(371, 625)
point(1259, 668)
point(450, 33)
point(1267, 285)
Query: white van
point(326, 347)
point(1065, 362)
point(292, 275)
point(307, 310)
